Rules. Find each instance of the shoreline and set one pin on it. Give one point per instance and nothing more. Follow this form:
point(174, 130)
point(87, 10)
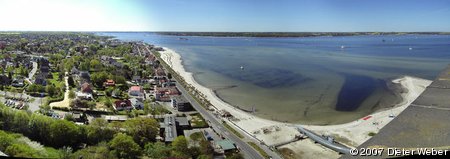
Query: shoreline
point(355, 131)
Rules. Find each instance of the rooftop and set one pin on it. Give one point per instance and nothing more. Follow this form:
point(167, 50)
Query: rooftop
point(226, 145)
point(182, 121)
point(179, 99)
point(135, 88)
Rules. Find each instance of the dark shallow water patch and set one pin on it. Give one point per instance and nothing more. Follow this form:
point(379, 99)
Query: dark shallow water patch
point(354, 91)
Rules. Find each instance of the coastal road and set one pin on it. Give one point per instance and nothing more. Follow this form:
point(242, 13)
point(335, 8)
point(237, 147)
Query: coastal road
point(246, 149)
point(216, 124)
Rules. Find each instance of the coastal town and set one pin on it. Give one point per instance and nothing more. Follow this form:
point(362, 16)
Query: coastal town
point(97, 81)
point(99, 88)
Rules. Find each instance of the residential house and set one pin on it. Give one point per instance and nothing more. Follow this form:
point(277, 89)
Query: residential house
point(74, 71)
point(105, 58)
point(136, 91)
point(122, 105)
point(109, 82)
point(84, 77)
point(150, 59)
point(159, 72)
point(136, 79)
point(17, 82)
point(164, 93)
point(137, 103)
point(78, 117)
point(85, 96)
point(40, 79)
point(44, 65)
point(86, 88)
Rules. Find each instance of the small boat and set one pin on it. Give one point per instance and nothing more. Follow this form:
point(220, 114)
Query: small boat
point(183, 39)
point(342, 47)
point(410, 48)
point(242, 67)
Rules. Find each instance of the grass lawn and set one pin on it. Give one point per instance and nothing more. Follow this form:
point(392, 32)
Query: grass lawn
point(103, 99)
point(197, 136)
point(233, 130)
point(198, 121)
point(159, 109)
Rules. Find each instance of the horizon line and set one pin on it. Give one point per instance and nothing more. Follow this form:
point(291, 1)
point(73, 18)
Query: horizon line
point(235, 31)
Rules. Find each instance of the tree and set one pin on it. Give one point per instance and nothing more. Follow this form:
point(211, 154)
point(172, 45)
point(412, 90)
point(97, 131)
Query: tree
point(147, 108)
point(68, 117)
point(99, 78)
point(91, 105)
point(39, 128)
point(100, 151)
point(120, 80)
point(98, 131)
point(51, 90)
point(21, 150)
point(194, 151)
point(95, 64)
point(180, 147)
point(206, 148)
point(70, 81)
point(109, 91)
point(20, 122)
point(124, 146)
point(64, 133)
point(5, 140)
point(142, 130)
point(157, 150)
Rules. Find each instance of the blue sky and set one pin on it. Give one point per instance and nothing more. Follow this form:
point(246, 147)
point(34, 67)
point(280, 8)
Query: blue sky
point(226, 15)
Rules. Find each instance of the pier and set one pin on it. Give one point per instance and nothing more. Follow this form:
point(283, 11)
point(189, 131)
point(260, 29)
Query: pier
point(325, 141)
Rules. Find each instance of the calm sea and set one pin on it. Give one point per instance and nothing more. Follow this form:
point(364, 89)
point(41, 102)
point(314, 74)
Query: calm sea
point(310, 80)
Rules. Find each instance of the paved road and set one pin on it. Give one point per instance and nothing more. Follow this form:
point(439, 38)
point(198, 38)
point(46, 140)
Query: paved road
point(32, 72)
point(246, 149)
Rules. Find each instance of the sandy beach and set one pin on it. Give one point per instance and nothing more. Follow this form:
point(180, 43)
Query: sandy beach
point(351, 134)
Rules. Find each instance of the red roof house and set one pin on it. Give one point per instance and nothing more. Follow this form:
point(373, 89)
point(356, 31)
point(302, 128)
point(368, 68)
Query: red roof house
point(86, 88)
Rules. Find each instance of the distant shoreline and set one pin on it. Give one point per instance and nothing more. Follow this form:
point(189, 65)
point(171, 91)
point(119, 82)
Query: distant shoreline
point(293, 34)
